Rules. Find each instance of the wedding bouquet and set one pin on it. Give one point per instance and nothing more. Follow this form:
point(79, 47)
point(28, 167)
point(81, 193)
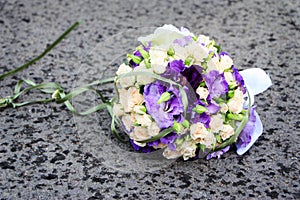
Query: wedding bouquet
point(180, 92)
point(177, 92)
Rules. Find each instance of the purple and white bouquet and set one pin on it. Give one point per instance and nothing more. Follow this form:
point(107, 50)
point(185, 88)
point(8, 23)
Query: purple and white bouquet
point(180, 92)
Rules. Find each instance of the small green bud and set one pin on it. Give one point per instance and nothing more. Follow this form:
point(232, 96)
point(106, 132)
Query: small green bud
point(171, 52)
point(189, 61)
point(177, 127)
point(164, 97)
point(141, 109)
point(199, 109)
point(144, 53)
point(134, 58)
point(230, 94)
point(237, 117)
point(195, 38)
point(147, 63)
point(232, 85)
point(218, 138)
point(186, 123)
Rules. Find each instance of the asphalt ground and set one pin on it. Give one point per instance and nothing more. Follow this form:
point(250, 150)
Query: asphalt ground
point(47, 153)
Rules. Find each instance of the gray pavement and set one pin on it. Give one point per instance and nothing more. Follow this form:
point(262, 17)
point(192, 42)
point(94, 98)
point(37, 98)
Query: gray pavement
point(44, 154)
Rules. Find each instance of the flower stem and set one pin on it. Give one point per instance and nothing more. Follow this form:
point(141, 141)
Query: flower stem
point(58, 40)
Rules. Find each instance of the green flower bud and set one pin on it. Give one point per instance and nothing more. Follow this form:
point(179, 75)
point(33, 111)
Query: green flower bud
point(164, 97)
point(171, 52)
point(186, 123)
point(237, 117)
point(230, 94)
point(232, 85)
point(199, 109)
point(147, 63)
point(144, 53)
point(189, 61)
point(177, 127)
point(134, 58)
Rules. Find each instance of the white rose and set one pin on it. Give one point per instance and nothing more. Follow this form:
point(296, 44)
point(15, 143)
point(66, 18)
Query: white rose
point(225, 63)
point(169, 154)
point(216, 123)
point(129, 98)
point(127, 122)
point(235, 104)
point(223, 107)
point(139, 133)
point(226, 132)
point(153, 129)
point(188, 150)
point(198, 130)
point(213, 64)
point(157, 59)
point(202, 92)
point(194, 50)
point(127, 81)
point(143, 120)
point(209, 140)
point(118, 110)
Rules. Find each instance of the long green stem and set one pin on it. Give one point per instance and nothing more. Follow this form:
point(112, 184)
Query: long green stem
point(58, 40)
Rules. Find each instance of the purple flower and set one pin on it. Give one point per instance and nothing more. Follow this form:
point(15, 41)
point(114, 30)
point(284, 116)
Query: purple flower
point(166, 112)
point(168, 138)
point(212, 108)
point(238, 77)
point(245, 136)
point(193, 75)
point(184, 41)
point(216, 83)
point(146, 149)
point(217, 154)
point(204, 118)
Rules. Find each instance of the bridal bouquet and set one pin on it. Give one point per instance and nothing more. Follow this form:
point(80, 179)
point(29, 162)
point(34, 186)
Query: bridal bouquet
point(178, 92)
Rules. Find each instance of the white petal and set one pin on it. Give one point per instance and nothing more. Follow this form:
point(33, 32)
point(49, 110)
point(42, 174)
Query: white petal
point(256, 80)
point(258, 129)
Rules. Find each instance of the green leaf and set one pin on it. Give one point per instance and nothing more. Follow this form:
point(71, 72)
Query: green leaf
point(31, 62)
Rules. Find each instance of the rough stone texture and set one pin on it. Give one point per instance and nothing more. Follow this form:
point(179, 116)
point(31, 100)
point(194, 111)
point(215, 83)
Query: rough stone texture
point(44, 156)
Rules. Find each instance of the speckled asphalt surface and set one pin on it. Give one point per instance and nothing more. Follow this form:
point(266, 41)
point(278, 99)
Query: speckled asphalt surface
point(43, 155)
